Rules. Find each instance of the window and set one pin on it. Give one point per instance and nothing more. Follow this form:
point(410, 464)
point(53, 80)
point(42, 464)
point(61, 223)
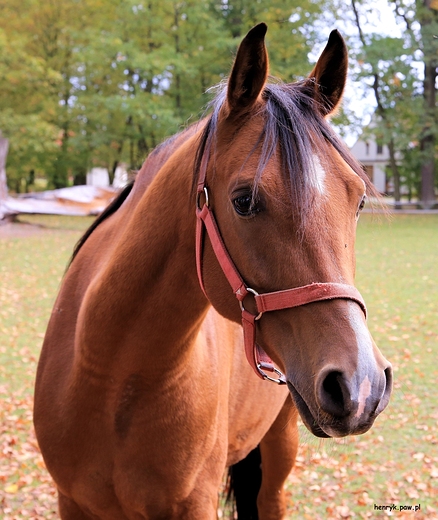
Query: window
point(379, 149)
point(369, 170)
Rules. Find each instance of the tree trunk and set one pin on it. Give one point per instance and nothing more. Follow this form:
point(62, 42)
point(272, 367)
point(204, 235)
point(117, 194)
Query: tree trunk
point(395, 174)
point(177, 74)
point(60, 178)
point(80, 177)
point(4, 144)
point(112, 171)
point(3, 184)
point(142, 145)
point(428, 20)
point(131, 154)
point(428, 138)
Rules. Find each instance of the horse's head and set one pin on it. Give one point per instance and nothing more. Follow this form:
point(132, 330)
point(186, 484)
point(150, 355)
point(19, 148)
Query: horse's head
point(286, 195)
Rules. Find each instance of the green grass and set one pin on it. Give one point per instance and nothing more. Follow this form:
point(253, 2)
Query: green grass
point(31, 267)
point(395, 463)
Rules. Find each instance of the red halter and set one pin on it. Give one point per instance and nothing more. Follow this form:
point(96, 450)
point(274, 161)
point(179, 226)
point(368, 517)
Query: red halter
point(266, 302)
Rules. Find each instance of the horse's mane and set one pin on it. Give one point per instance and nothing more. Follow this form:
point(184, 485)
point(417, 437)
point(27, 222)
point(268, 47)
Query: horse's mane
point(294, 125)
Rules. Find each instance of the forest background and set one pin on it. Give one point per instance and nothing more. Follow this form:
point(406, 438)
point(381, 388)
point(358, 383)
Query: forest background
point(87, 83)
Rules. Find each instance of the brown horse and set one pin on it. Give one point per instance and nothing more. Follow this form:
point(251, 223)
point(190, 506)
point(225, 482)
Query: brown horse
point(143, 395)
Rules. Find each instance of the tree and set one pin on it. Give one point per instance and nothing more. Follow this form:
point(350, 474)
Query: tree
point(32, 148)
point(427, 16)
point(405, 102)
point(99, 86)
point(291, 36)
point(26, 85)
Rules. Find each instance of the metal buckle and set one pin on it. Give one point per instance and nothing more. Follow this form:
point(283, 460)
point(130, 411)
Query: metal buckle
point(281, 380)
point(242, 308)
point(198, 198)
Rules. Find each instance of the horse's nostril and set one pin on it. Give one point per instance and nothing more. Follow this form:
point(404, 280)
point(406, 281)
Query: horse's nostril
point(332, 387)
point(388, 377)
point(334, 394)
point(387, 392)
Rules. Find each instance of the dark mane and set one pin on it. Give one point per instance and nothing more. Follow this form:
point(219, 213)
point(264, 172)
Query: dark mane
point(295, 126)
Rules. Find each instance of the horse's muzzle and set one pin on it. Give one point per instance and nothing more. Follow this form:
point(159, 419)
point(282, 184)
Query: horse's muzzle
point(344, 406)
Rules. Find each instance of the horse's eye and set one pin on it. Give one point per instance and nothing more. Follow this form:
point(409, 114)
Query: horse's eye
point(361, 205)
point(245, 205)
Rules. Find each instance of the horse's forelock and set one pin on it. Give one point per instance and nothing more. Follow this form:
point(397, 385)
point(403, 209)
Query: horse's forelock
point(296, 127)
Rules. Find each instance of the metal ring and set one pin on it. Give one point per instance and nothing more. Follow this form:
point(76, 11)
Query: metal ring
point(242, 308)
point(206, 203)
point(281, 380)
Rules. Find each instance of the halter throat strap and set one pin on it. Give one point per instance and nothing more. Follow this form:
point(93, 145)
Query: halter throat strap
point(266, 302)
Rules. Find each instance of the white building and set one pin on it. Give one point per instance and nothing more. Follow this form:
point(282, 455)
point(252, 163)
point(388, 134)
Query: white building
point(99, 177)
point(375, 159)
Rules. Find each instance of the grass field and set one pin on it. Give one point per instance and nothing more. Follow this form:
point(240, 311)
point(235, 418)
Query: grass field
point(395, 464)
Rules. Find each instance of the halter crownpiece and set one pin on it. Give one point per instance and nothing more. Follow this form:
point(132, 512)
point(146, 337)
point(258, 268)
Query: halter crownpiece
point(266, 302)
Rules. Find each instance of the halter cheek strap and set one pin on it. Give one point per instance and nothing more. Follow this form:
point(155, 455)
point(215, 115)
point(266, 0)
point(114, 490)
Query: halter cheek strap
point(265, 302)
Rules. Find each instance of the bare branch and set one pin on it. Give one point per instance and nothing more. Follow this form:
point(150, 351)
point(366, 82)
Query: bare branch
point(375, 73)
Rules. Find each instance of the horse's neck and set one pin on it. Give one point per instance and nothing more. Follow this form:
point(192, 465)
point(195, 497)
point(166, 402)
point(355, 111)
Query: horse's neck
point(147, 296)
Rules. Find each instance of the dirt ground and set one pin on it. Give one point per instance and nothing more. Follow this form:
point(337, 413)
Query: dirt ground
point(20, 230)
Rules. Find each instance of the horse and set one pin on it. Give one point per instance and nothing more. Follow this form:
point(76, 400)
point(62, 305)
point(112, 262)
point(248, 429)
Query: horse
point(211, 305)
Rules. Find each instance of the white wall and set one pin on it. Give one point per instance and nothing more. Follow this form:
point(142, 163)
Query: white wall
point(379, 178)
point(99, 177)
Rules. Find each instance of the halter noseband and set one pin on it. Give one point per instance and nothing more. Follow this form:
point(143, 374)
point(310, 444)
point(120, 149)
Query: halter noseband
point(265, 302)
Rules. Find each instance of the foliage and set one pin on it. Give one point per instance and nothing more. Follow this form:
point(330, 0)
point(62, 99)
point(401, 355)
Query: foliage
point(33, 147)
point(24, 83)
point(395, 463)
point(99, 83)
point(400, 71)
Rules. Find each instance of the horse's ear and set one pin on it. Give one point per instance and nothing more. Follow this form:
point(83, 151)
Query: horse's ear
point(250, 70)
point(328, 78)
